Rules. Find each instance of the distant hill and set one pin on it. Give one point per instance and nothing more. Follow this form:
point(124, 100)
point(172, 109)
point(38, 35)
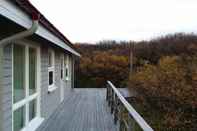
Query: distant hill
point(172, 44)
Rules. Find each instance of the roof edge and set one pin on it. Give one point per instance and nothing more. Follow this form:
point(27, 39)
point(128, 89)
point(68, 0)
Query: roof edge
point(30, 9)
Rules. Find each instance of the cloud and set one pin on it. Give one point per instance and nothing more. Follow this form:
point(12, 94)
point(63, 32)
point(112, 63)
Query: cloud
point(94, 20)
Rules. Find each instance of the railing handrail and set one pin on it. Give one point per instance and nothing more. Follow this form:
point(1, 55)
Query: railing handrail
point(136, 116)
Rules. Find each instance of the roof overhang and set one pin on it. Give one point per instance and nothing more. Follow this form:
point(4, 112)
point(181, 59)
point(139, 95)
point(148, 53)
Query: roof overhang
point(14, 13)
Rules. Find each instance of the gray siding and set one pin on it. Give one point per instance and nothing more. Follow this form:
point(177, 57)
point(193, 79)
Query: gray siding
point(6, 89)
point(1, 85)
point(49, 101)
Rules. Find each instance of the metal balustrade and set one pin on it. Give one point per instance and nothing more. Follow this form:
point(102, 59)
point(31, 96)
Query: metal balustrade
point(129, 119)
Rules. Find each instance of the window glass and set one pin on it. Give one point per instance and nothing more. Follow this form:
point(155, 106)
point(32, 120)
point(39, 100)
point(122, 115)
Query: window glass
point(66, 72)
point(66, 67)
point(69, 67)
point(19, 119)
point(62, 66)
point(61, 73)
point(24, 56)
point(19, 72)
point(51, 67)
point(50, 77)
point(32, 110)
point(32, 71)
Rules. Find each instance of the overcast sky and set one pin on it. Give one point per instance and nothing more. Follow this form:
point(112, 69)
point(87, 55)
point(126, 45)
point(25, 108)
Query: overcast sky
point(94, 20)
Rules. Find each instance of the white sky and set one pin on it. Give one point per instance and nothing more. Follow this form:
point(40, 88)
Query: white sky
point(94, 20)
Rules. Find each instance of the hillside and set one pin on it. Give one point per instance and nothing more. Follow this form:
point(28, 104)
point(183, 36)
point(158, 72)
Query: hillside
point(109, 59)
point(165, 75)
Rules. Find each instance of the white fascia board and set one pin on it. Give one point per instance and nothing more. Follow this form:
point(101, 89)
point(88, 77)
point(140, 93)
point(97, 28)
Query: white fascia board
point(10, 11)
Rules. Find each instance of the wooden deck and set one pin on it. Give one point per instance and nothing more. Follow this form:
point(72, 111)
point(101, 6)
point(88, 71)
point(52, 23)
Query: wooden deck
point(82, 110)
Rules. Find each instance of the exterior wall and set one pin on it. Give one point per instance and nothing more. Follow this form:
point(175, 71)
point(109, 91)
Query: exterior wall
point(68, 83)
point(1, 85)
point(49, 101)
point(70, 70)
point(73, 72)
point(6, 90)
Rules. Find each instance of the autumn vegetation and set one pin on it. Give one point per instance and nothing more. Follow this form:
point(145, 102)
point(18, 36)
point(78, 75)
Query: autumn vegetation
point(164, 75)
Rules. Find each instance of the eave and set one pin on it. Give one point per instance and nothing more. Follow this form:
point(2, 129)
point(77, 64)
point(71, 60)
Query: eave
point(16, 14)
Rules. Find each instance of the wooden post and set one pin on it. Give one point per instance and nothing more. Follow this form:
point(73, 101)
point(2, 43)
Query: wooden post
point(131, 57)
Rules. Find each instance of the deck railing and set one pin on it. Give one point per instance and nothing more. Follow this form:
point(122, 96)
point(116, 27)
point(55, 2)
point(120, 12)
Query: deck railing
point(129, 119)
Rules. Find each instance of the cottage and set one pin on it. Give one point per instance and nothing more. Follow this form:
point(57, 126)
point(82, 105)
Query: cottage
point(36, 66)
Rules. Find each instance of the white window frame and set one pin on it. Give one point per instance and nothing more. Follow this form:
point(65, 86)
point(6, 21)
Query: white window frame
point(35, 122)
point(62, 66)
point(52, 87)
point(67, 78)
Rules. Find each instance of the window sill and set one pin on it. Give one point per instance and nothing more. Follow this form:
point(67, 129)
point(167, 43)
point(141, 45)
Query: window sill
point(34, 124)
point(52, 88)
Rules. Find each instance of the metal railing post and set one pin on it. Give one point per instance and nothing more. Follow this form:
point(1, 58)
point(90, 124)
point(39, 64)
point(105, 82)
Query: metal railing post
point(109, 97)
point(107, 93)
point(112, 102)
point(116, 105)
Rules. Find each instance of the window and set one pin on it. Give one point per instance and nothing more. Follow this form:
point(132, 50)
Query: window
point(51, 68)
point(19, 119)
point(32, 71)
point(62, 67)
point(66, 73)
point(32, 109)
point(19, 73)
point(25, 93)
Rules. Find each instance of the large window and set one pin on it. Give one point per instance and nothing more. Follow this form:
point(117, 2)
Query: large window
point(19, 72)
point(51, 68)
point(25, 93)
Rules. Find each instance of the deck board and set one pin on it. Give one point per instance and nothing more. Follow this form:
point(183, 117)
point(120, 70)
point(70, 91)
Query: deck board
point(82, 110)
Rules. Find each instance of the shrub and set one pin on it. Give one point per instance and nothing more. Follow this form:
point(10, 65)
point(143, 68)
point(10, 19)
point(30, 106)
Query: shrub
point(170, 88)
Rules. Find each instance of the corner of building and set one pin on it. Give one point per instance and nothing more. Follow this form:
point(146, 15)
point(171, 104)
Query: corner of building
point(1, 84)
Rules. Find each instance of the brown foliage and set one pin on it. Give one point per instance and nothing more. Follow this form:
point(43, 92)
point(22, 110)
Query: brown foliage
point(104, 66)
point(173, 82)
